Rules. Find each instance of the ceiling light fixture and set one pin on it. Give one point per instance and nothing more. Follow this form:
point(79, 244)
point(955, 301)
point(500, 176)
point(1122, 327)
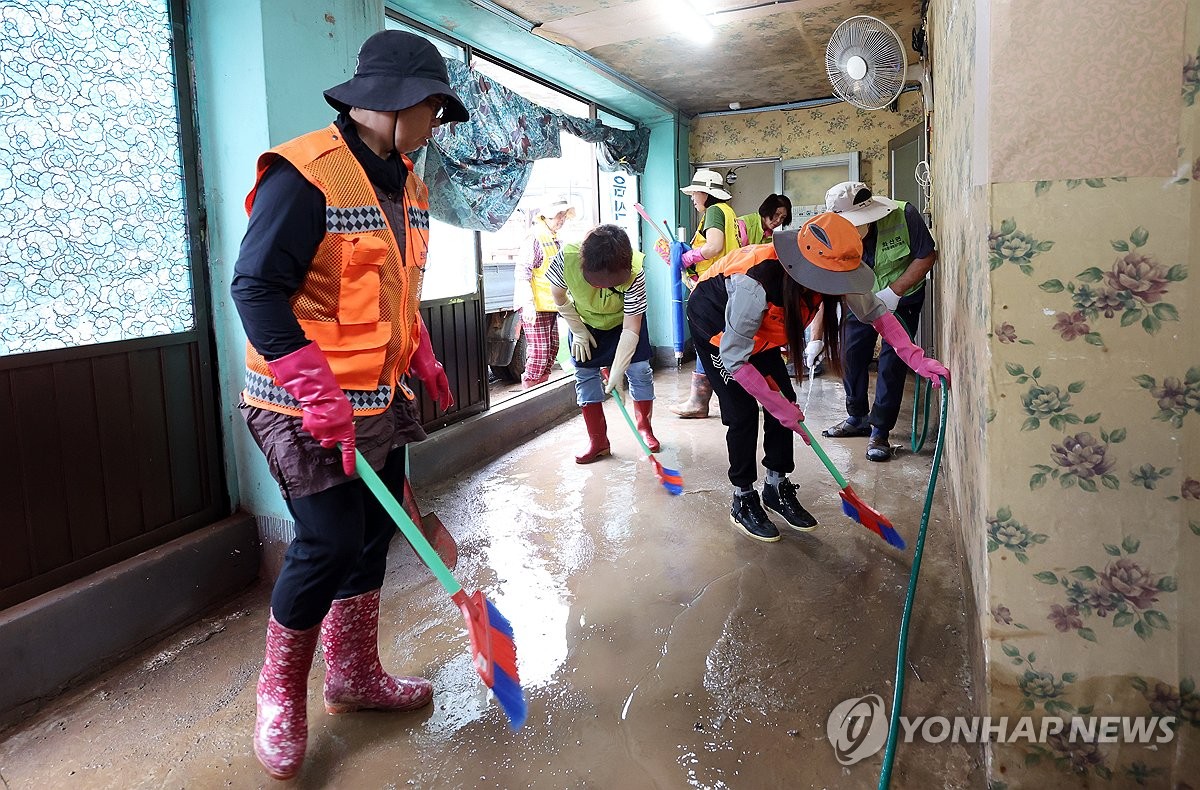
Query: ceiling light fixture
point(690, 17)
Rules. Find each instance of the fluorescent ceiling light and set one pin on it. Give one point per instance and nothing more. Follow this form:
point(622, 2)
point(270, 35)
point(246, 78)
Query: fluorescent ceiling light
point(689, 18)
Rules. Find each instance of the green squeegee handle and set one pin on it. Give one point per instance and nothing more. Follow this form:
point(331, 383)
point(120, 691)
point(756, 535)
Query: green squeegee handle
point(406, 525)
point(812, 442)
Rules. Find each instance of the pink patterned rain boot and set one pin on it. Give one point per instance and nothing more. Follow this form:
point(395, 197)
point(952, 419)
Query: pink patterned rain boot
point(281, 726)
point(355, 679)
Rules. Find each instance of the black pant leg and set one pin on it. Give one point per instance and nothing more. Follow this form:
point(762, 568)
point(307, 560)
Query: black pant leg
point(329, 541)
point(889, 383)
point(778, 442)
point(858, 348)
point(379, 531)
point(739, 415)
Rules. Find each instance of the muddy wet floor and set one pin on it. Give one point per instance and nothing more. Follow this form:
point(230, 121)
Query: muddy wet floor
point(658, 647)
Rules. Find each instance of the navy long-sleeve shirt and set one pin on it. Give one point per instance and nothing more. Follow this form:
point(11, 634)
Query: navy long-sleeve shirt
point(287, 224)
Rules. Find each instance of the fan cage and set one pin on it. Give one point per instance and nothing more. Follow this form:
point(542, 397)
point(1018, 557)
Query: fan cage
point(880, 48)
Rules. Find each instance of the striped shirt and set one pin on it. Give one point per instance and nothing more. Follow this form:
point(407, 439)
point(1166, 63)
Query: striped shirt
point(635, 297)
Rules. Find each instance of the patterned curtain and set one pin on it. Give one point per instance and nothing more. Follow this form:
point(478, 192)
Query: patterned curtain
point(477, 171)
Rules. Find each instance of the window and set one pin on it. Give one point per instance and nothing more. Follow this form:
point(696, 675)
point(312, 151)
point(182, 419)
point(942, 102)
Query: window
point(571, 176)
point(93, 218)
point(596, 196)
point(450, 267)
point(619, 190)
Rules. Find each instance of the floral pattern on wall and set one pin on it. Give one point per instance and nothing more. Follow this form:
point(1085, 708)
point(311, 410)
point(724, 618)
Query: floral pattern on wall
point(1132, 289)
point(1092, 321)
point(1010, 245)
point(816, 131)
point(1124, 588)
point(1191, 78)
point(1005, 532)
point(1176, 397)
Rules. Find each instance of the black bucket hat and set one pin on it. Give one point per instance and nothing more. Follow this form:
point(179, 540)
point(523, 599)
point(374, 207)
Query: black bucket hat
point(396, 70)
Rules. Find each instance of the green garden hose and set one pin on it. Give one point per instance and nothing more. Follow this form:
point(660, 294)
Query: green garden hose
point(889, 753)
point(921, 421)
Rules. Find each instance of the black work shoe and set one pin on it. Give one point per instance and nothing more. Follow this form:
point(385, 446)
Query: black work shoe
point(879, 448)
point(847, 428)
point(749, 517)
point(782, 499)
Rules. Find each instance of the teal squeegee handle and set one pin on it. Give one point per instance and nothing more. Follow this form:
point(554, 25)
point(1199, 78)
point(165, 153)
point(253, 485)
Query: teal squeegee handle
point(812, 442)
point(419, 542)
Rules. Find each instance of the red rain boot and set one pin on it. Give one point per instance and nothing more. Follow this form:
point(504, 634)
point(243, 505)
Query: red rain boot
point(642, 409)
point(355, 679)
point(281, 726)
point(597, 428)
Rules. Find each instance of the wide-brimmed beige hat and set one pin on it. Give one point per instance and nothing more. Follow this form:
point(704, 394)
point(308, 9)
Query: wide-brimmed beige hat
point(854, 201)
point(709, 182)
point(559, 205)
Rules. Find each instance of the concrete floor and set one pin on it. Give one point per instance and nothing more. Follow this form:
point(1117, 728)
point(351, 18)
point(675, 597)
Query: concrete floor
point(658, 647)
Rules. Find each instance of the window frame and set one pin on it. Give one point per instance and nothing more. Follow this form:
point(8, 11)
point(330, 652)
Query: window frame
point(471, 52)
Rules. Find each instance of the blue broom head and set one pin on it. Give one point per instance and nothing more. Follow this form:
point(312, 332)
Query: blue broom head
point(850, 510)
point(506, 684)
point(673, 488)
point(498, 621)
point(886, 532)
point(892, 537)
point(512, 699)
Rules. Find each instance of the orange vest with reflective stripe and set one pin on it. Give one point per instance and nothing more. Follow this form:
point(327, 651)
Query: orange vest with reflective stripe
point(360, 298)
point(772, 332)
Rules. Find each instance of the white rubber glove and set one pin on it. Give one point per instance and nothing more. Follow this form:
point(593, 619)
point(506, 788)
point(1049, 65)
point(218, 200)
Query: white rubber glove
point(889, 297)
point(812, 351)
point(582, 341)
point(523, 300)
point(621, 359)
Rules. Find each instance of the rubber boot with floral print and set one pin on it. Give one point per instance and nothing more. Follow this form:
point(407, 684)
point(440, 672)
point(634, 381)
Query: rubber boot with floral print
point(355, 680)
point(281, 726)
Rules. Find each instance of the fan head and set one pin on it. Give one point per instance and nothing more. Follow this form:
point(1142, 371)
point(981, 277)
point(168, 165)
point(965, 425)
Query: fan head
point(866, 62)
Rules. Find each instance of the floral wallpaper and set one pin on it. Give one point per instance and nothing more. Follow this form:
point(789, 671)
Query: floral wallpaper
point(93, 226)
point(814, 131)
point(1074, 461)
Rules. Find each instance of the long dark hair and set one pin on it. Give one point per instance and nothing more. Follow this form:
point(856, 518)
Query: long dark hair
point(795, 296)
point(712, 200)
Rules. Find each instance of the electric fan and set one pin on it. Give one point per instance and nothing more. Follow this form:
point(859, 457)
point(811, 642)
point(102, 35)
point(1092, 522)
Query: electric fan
point(866, 62)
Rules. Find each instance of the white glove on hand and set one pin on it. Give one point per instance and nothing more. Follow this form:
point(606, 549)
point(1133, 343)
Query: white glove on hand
point(529, 313)
point(621, 359)
point(889, 297)
point(582, 341)
point(812, 351)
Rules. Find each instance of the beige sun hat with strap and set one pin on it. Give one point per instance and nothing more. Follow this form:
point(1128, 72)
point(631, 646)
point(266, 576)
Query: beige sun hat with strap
point(709, 182)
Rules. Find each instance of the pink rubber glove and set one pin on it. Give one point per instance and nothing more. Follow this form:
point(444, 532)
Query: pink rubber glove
point(789, 414)
point(328, 416)
point(742, 233)
point(891, 330)
point(692, 257)
point(430, 371)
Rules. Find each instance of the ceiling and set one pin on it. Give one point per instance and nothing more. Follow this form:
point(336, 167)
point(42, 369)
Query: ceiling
point(764, 53)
